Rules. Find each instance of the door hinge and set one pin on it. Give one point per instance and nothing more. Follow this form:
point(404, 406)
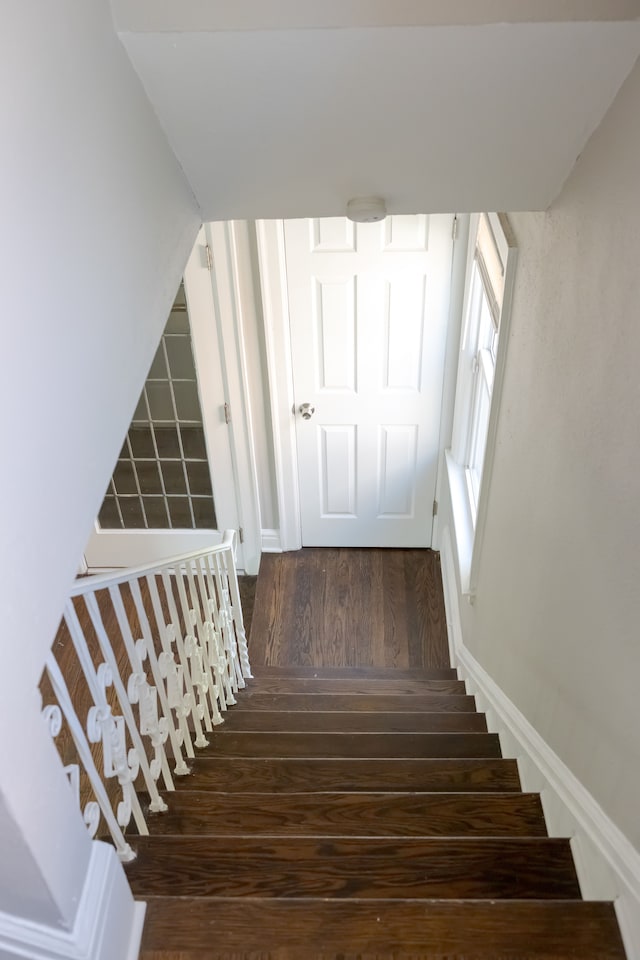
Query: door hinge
point(227, 413)
point(454, 229)
point(209, 256)
point(434, 512)
point(240, 534)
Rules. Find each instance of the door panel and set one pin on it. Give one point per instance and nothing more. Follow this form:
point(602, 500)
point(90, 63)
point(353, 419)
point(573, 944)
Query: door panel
point(368, 309)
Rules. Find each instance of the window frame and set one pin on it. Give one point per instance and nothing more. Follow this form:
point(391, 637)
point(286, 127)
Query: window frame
point(470, 494)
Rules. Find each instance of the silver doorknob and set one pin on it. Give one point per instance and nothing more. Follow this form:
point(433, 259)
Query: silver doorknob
point(306, 410)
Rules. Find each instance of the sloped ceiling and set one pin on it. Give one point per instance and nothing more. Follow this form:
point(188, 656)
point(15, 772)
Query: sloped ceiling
point(293, 121)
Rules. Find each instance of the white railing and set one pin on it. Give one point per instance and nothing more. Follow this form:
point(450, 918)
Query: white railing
point(156, 655)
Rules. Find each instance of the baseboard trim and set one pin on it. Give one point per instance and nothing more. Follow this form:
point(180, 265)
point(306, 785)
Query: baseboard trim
point(608, 865)
point(108, 924)
point(271, 542)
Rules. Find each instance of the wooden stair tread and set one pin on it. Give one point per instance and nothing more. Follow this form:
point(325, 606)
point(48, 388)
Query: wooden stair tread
point(380, 929)
point(251, 699)
point(397, 868)
point(392, 745)
point(354, 687)
point(334, 722)
point(351, 814)
point(357, 673)
point(292, 774)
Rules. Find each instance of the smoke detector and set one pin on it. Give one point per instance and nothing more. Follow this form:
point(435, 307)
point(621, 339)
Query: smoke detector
point(366, 209)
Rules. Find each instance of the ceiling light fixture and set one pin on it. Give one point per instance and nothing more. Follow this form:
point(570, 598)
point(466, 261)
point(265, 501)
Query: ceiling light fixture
point(366, 209)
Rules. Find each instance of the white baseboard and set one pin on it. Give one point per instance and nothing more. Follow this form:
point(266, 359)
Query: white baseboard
point(108, 924)
point(607, 864)
point(271, 542)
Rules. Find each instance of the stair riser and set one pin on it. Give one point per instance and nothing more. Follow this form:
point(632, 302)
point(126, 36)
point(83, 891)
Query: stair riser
point(352, 815)
point(373, 703)
point(364, 869)
point(302, 722)
point(317, 930)
point(251, 775)
point(352, 745)
point(355, 673)
point(354, 687)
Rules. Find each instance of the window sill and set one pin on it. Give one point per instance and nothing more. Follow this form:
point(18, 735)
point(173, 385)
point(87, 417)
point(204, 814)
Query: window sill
point(463, 525)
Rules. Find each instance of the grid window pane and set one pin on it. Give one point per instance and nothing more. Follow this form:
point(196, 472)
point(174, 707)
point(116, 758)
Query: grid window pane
point(141, 440)
point(199, 479)
point(173, 476)
point(181, 365)
point(109, 516)
point(158, 369)
point(155, 509)
point(149, 477)
point(124, 478)
point(160, 400)
point(131, 509)
point(168, 443)
point(149, 485)
point(187, 400)
point(140, 413)
point(203, 512)
point(193, 443)
point(180, 513)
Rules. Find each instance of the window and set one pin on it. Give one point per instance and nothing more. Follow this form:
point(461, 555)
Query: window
point(489, 280)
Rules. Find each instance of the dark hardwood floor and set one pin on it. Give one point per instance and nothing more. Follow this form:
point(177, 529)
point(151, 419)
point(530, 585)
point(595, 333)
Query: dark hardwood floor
point(325, 607)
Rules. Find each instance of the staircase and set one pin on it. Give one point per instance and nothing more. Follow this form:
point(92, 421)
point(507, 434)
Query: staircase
point(359, 814)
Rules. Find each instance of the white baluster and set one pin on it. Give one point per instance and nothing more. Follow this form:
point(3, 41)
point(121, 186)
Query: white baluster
point(111, 728)
point(157, 804)
point(118, 762)
point(201, 634)
point(194, 710)
point(214, 614)
point(236, 609)
point(175, 737)
point(178, 698)
point(151, 724)
point(83, 749)
point(226, 620)
point(199, 675)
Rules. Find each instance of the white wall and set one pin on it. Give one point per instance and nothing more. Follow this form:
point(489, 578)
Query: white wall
point(97, 223)
point(555, 620)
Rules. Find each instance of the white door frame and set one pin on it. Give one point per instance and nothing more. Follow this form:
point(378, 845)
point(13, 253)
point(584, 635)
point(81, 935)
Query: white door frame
point(273, 279)
point(233, 297)
point(277, 335)
point(216, 299)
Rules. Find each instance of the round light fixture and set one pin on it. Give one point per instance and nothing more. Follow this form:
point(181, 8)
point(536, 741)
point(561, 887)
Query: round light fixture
point(366, 209)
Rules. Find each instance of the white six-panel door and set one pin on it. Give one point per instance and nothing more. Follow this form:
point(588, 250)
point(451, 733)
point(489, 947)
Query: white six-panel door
point(368, 310)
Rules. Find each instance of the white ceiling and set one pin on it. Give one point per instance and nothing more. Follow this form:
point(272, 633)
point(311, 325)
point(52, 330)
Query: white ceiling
point(294, 122)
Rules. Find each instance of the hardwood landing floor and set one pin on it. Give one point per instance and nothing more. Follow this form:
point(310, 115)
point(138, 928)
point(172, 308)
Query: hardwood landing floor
point(347, 607)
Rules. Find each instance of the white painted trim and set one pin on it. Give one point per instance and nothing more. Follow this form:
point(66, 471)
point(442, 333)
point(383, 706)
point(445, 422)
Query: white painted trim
point(108, 922)
point(111, 549)
point(608, 865)
point(271, 541)
point(208, 351)
point(452, 349)
point(508, 250)
point(275, 308)
point(231, 262)
point(470, 540)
